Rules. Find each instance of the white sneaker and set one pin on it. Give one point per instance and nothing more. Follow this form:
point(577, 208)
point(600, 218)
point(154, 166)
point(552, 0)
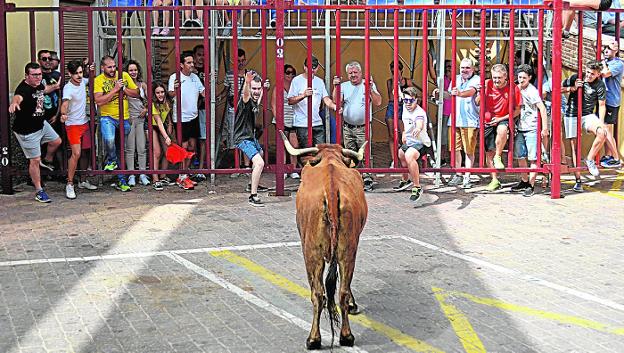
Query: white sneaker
point(295, 175)
point(143, 179)
point(69, 191)
point(86, 185)
point(132, 180)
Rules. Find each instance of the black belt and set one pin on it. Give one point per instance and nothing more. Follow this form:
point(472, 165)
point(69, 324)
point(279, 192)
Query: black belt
point(353, 126)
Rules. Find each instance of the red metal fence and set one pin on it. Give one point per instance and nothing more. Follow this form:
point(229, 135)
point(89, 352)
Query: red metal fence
point(279, 6)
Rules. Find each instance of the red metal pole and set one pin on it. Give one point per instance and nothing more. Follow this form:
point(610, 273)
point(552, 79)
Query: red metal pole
point(91, 61)
point(63, 161)
point(540, 78)
point(178, 91)
point(235, 80)
point(339, 74)
point(32, 23)
point(482, 92)
point(617, 33)
point(512, 87)
point(310, 73)
point(367, 89)
point(207, 88)
point(150, 98)
point(555, 185)
point(599, 35)
point(579, 92)
point(120, 95)
point(453, 139)
point(599, 58)
point(5, 137)
point(279, 95)
point(265, 114)
point(62, 46)
point(395, 89)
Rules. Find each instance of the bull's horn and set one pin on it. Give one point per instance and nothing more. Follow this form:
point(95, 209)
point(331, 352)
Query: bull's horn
point(296, 151)
point(359, 155)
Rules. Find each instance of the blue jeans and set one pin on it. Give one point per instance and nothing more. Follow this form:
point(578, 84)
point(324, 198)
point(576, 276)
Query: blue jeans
point(107, 128)
point(525, 145)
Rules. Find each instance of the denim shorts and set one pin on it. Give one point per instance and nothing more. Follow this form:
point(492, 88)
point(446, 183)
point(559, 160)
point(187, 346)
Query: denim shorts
point(202, 124)
point(525, 145)
point(390, 111)
point(250, 148)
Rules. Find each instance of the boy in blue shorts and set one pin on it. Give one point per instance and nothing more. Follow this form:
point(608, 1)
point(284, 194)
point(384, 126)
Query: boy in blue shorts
point(245, 129)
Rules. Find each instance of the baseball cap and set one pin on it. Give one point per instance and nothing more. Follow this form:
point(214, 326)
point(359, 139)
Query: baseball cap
point(315, 62)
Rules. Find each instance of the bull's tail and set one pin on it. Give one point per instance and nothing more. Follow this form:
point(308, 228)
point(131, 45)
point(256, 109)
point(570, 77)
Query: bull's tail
point(330, 286)
point(332, 218)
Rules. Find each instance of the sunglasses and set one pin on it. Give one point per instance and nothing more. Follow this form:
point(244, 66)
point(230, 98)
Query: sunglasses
point(409, 100)
point(290, 72)
point(46, 58)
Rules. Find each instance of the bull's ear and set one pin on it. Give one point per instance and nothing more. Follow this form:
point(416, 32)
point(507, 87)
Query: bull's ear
point(349, 162)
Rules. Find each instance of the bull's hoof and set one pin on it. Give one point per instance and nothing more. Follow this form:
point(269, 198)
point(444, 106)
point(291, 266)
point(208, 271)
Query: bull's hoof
point(314, 343)
point(354, 309)
point(347, 341)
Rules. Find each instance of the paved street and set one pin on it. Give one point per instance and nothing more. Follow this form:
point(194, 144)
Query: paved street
point(202, 271)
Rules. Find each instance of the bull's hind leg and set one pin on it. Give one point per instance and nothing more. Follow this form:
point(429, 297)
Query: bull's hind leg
point(315, 267)
point(346, 274)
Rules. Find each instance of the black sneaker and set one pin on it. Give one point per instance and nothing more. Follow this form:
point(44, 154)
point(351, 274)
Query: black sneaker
point(254, 200)
point(416, 194)
point(528, 192)
point(403, 185)
point(521, 186)
point(47, 165)
point(368, 184)
point(260, 188)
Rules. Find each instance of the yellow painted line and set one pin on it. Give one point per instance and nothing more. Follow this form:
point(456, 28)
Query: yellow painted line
point(393, 334)
point(561, 318)
point(462, 327)
point(613, 190)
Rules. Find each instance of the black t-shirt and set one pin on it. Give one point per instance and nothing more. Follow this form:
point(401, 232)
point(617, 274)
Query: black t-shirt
point(31, 114)
point(592, 93)
point(245, 122)
point(51, 102)
point(201, 102)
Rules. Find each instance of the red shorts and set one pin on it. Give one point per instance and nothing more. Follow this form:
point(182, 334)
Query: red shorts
point(79, 134)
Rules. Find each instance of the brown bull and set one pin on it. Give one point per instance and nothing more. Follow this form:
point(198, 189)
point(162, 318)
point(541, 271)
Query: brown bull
point(331, 213)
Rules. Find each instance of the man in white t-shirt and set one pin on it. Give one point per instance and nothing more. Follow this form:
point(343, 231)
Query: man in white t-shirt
point(73, 114)
point(415, 140)
point(353, 110)
point(525, 142)
point(299, 95)
point(190, 90)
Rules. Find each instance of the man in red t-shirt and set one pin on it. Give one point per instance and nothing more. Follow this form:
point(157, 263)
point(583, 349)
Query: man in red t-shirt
point(497, 118)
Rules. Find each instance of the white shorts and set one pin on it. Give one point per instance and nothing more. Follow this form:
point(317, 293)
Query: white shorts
point(31, 143)
point(570, 124)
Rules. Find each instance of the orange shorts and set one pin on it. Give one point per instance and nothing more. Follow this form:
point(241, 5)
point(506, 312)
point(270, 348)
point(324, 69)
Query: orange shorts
point(465, 138)
point(79, 135)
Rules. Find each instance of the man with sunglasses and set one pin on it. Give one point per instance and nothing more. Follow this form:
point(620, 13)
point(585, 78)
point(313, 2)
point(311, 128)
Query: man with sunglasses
point(30, 127)
point(299, 96)
point(353, 110)
point(416, 142)
point(52, 80)
point(612, 71)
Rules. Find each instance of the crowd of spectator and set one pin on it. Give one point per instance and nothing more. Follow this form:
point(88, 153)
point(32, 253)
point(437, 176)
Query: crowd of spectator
point(44, 112)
